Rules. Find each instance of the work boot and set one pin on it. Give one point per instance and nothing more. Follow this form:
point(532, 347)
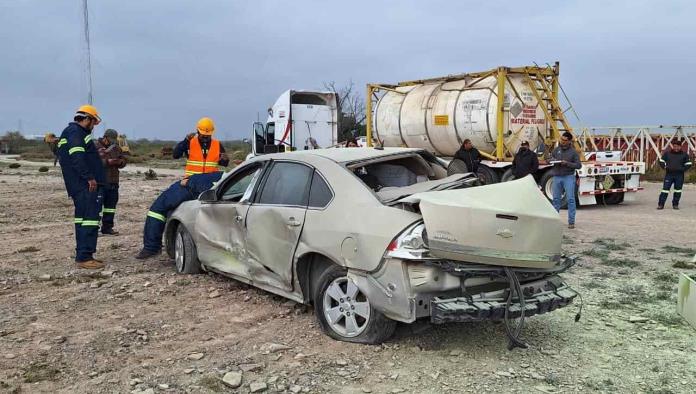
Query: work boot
point(90, 264)
point(146, 254)
point(675, 207)
point(571, 226)
point(109, 231)
point(660, 207)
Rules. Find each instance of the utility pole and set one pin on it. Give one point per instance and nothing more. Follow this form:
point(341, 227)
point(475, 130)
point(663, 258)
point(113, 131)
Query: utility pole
point(89, 54)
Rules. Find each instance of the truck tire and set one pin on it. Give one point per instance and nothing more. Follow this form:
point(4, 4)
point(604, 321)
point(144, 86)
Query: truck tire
point(507, 176)
point(546, 184)
point(457, 166)
point(609, 199)
point(487, 175)
point(368, 326)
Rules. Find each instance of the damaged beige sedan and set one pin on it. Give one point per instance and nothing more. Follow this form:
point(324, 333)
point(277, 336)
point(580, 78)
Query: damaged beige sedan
point(371, 237)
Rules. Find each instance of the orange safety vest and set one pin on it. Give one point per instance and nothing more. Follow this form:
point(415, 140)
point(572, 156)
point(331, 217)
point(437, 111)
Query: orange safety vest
point(197, 163)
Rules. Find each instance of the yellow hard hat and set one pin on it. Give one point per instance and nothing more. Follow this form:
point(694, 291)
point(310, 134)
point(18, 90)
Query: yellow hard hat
point(89, 110)
point(205, 126)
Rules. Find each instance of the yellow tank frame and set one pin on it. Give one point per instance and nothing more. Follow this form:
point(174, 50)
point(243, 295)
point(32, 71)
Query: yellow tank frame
point(542, 80)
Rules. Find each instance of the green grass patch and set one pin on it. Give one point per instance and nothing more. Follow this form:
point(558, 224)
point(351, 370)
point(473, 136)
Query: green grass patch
point(627, 263)
point(681, 264)
point(610, 304)
point(39, 372)
point(611, 244)
point(665, 277)
point(667, 318)
point(212, 383)
point(596, 253)
point(595, 284)
point(679, 250)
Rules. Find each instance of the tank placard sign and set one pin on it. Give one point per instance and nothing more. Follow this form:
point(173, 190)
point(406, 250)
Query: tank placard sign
point(527, 115)
point(441, 120)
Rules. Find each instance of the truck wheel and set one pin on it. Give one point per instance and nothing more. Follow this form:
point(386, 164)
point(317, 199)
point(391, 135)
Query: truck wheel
point(344, 312)
point(547, 188)
point(487, 175)
point(457, 166)
point(507, 176)
point(185, 255)
point(610, 199)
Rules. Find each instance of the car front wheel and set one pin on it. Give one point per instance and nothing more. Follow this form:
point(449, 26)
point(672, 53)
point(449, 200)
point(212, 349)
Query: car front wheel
point(185, 255)
point(345, 313)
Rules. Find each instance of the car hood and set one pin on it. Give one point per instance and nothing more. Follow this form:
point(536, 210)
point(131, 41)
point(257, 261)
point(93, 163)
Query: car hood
point(509, 224)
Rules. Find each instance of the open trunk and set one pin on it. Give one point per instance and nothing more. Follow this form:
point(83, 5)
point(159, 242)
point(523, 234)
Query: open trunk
point(507, 224)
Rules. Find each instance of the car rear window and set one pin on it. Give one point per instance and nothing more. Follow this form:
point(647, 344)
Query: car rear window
point(320, 194)
point(287, 184)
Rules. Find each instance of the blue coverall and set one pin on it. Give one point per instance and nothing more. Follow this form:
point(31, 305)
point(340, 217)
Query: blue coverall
point(168, 201)
point(80, 162)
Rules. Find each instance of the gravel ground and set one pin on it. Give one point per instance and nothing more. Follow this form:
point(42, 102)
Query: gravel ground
point(139, 327)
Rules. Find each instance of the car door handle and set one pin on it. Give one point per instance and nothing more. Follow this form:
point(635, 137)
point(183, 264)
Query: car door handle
point(293, 222)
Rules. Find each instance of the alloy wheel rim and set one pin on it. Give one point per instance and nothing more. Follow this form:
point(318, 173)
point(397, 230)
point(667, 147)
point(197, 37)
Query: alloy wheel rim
point(346, 308)
point(179, 252)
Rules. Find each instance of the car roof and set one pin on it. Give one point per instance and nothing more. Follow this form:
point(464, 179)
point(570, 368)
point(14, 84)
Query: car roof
point(344, 155)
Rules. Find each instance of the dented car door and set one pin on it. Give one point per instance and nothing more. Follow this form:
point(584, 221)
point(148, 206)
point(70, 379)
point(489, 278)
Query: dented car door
point(274, 223)
point(221, 235)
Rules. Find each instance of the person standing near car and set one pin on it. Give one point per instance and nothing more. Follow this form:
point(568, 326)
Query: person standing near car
point(469, 155)
point(675, 162)
point(565, 160)
point(204, 154)
point(178, 192)
point(525, 161)
point(84, 177)
point(113, 159)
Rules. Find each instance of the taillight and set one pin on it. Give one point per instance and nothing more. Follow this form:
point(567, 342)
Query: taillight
point(392, 246)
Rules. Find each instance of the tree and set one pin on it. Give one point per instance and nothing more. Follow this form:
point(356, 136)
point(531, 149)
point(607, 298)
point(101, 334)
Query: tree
point(14, 140)
point(351, 110)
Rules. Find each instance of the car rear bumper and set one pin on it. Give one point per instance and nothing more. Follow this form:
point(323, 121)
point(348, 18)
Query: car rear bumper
point(540, 297)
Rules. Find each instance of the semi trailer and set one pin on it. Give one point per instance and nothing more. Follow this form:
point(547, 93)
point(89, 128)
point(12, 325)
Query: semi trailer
point(438, 114)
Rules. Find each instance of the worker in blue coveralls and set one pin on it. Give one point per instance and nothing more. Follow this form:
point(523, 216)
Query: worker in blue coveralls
point(178, 193)
point(84, 178)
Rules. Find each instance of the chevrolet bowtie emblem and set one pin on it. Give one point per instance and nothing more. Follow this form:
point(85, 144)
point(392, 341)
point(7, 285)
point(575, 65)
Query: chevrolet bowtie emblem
point(506, 233)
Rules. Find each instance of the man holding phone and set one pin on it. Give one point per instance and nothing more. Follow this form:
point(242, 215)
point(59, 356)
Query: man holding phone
point(565, 160)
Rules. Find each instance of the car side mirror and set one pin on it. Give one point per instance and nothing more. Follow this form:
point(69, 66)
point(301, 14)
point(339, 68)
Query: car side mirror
point(208, 196)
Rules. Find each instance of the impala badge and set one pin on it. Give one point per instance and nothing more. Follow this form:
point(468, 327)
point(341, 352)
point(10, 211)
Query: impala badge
point(506, 233)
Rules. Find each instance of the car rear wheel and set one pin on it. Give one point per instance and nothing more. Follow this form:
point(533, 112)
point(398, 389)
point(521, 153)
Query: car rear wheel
point(185, 255)
point(344, 311)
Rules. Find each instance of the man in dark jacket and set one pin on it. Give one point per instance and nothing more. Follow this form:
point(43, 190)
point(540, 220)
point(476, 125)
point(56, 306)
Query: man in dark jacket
point(565, 161)
point(675, 162)
point(178, 193)
point(469, 155)
point(525, 161)
point(84, 178)
point(113, 159)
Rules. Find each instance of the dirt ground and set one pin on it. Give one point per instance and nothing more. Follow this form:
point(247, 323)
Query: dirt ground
point(139, 327)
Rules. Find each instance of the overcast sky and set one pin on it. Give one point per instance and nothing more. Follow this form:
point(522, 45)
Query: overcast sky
point(160, 65)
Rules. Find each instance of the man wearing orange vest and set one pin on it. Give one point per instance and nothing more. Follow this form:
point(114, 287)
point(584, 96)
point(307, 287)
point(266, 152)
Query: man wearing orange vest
point(203, 152)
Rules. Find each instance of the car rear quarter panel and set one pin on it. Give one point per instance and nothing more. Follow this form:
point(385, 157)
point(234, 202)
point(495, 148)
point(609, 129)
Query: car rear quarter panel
point(355, 229)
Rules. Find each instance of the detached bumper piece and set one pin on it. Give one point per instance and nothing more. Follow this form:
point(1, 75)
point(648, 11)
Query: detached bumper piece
point(540, 297)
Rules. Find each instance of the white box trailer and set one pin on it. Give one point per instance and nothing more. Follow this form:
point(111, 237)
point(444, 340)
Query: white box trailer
point(438, 114)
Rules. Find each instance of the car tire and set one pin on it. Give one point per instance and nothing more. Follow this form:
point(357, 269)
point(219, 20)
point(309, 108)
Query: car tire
point(185, 255)
point(368, 326)
point(507, 176)
point(487, 175)
point(457, 166)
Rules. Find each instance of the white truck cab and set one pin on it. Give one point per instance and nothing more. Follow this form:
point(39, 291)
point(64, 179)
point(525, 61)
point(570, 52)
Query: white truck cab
point(299, 120)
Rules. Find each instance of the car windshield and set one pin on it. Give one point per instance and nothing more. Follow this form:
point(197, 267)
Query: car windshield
point(395, 177)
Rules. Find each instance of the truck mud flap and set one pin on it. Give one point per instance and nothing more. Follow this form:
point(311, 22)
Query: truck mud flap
point(463, 309)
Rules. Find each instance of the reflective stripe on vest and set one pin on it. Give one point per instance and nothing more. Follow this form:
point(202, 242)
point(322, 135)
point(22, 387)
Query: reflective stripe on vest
point(199, 164)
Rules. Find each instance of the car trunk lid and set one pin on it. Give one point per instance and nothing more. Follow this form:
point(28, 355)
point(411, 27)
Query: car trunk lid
point(507, 224)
